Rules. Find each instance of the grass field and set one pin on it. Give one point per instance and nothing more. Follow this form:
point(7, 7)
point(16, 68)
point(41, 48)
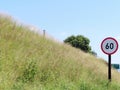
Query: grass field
point(29, 61)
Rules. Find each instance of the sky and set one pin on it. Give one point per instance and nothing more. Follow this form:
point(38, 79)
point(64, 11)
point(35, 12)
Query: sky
point(94, 19)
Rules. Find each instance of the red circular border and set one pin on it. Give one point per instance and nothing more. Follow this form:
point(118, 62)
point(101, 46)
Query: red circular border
point(115, 49)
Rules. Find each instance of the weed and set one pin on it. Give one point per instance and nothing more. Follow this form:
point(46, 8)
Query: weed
point(29, 73)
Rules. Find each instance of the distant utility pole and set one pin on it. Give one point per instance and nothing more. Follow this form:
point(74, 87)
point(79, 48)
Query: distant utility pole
point(44, 33)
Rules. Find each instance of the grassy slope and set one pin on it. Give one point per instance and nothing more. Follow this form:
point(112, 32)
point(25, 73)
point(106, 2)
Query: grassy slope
point(29, 61)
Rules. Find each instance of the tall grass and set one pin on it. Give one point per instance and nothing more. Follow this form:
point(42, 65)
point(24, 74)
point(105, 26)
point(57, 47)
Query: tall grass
point(29, 61)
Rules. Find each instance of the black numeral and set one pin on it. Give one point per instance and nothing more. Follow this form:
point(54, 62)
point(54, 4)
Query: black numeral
point(109, 46)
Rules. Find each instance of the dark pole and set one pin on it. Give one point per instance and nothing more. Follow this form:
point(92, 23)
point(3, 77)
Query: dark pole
point(44, 33)
point(109, 67)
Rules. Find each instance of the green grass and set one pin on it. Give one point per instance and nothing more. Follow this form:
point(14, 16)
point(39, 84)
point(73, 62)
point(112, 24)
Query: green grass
point(28, 61)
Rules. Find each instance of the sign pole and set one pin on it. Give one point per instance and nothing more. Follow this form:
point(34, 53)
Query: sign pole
point(109, 46)
point(109, 67)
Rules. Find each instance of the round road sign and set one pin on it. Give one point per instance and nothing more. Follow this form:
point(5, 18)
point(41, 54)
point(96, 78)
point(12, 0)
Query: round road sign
point(109, 45)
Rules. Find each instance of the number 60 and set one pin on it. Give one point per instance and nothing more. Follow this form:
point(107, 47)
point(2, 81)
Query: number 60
point(109, 46)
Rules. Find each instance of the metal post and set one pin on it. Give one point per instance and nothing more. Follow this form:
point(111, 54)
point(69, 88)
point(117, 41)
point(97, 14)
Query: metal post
point(109, 67)
point(44, 33)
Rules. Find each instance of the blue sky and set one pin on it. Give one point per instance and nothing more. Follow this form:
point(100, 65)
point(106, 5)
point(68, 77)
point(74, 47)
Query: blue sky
point(95, 19)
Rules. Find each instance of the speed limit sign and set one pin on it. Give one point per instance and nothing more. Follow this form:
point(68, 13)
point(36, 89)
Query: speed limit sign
point(109, 45)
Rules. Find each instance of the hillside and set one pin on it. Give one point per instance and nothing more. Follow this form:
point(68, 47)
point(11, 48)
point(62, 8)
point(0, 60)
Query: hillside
point(29, 61)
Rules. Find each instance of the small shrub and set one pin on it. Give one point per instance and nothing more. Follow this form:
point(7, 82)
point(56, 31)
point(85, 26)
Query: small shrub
point(29, 73)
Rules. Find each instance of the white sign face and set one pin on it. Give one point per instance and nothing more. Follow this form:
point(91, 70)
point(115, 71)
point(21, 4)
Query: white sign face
point(109, 45)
